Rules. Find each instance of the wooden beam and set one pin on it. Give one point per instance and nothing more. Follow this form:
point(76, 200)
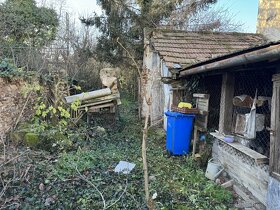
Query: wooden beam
point(257, 157)
point(195, 139)
point(227, 94)
point(111, 97)
point(199, 95)
point(88, 95)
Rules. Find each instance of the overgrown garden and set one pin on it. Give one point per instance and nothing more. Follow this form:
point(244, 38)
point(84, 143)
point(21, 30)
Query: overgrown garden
point(51, 158)
point(84, 178)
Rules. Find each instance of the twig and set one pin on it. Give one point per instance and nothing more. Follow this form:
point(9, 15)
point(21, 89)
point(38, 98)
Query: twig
point(4, 147)
point(6, 207)
point(23, 108)
point(12, 159)
point(4, 189)
point(118, 198)
point(91, 184)
point(133, 60)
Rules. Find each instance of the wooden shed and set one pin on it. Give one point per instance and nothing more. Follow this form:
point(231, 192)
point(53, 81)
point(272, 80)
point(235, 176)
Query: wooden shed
point(168, 51)
point(249, 86)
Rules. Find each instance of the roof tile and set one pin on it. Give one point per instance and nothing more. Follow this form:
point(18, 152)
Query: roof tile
point(188, 48)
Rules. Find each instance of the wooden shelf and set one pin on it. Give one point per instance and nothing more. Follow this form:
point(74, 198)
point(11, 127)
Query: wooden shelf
point(259, 158)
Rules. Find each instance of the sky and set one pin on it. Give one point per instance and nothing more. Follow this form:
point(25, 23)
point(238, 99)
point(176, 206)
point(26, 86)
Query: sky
point(243, 11)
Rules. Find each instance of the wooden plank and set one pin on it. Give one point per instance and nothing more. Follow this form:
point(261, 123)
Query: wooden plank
point(251, 175)
point(94, 104)
point(202, 103)
point(275, 77)
point(111, 97)
point(93, 108)
point(202, 107)
point(275, 134)
point(259, 158)
point(195, 138)
point(275, 175)
point(203, 100)
point(199, 95)
point(201, 112)
point(201, 125)
point(227, 93)
point(88, 95)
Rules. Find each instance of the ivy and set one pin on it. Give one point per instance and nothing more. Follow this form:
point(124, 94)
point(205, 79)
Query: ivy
point(12, 72)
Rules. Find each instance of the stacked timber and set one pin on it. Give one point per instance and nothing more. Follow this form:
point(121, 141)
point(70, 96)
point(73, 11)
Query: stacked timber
point(108, 97)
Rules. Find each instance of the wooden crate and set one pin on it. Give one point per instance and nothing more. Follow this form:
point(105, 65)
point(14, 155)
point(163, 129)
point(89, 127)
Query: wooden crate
point(184, 110)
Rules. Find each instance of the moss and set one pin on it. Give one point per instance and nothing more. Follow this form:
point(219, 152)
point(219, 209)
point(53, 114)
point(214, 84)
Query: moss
point(16, 137)
point(31, 140)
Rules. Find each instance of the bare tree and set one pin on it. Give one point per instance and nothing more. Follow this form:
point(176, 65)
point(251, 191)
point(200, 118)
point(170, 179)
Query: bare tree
point(208, 18)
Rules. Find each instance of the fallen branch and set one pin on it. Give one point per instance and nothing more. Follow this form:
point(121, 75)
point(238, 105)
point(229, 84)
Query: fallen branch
point(22, 110)
point(91, 184)
point(116, 201)
point(14, 158)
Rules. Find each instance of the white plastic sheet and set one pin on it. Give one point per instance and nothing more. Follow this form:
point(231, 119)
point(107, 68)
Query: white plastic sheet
point(250, 126)
point(124, 167)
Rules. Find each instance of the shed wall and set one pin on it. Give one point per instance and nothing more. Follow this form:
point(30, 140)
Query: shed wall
point(166, 92)
point(153, 85)
point(273, 196)
point(247, 172)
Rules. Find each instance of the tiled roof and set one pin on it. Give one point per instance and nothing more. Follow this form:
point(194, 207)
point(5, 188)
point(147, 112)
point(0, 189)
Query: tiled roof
point(188, 48)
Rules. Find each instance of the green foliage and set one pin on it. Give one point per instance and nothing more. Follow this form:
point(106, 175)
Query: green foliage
point(23, 23)
point(81, 160)
point(52, 120)
point(125, 20)
point(53, 124)
point(178, 181)
point(31, 140)
point(10, 71)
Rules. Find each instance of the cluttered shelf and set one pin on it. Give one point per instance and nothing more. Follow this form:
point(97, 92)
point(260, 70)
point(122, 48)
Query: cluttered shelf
point(259, 158)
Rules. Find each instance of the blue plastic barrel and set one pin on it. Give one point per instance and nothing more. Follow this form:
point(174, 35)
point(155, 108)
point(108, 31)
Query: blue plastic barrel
point(179, 131)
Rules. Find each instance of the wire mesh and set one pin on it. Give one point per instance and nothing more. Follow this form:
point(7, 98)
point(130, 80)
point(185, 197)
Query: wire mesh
point(246, 83)
point(255, 83)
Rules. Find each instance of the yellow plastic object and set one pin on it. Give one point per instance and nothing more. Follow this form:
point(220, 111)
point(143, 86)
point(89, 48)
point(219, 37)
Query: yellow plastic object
point(184, 105)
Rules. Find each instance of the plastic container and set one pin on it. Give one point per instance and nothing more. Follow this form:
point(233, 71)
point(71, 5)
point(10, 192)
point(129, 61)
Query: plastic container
point(229, 138)
point(179, 131)
point(213, 170)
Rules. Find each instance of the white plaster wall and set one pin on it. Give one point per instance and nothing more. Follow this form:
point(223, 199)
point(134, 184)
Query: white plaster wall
point(152, 63)
point(167, 92)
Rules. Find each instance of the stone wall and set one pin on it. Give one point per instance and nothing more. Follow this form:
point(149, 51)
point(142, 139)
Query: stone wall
point(11, 104)
point(269, 19)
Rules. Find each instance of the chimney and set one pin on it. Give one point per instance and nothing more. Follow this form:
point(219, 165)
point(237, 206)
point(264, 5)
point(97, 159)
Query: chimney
point(268, 22)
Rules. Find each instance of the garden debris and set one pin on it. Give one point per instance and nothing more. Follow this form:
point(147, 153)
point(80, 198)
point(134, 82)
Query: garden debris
point(105, 99)
point(124, 167)
point(97, 131)
point(41, 187)
point(154, 196)
point(88, 95)
point(228, 184)
point(152, 178)
point(49, 200)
